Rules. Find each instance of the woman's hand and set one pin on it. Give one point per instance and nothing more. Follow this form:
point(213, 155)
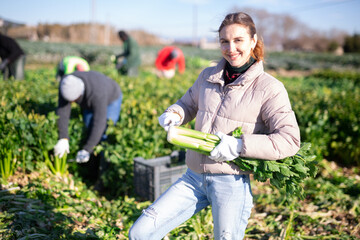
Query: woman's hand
point(228, 149)
point(169, 119)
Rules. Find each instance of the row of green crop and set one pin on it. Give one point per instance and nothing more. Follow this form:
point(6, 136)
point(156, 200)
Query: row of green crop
point(311, 61)
point(325, 104)
point(51, 208)
point(46, 52)
point(29, 131)
point(326, 109)
point(28, 122)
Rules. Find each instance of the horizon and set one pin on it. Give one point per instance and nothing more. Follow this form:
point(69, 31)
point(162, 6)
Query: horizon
point(179, 19)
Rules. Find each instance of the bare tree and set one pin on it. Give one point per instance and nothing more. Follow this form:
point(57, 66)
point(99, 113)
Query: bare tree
point(284, 32)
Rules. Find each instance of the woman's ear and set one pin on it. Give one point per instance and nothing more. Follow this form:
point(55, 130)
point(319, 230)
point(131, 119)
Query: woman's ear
point(254, 39)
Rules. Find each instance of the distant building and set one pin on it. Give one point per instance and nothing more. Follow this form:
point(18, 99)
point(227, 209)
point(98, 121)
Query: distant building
point(339, 51)
point(74, 33)
point(205, 44)
point(5, 25)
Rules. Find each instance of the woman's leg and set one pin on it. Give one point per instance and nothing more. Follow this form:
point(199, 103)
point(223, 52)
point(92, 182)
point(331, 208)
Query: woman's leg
point(231, 202)
point(177, 204)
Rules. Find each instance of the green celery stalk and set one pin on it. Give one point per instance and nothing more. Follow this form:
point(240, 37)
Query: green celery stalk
point(192, 139)
point(287, 173)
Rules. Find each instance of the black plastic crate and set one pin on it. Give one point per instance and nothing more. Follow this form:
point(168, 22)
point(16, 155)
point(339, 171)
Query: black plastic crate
point(153, 176)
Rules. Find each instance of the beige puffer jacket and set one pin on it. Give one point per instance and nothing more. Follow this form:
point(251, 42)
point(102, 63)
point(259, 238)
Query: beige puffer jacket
point(256, 101)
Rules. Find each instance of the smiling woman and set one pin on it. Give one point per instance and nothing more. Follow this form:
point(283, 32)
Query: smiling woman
point(234, 93)
point(240, 45)
point(236, 44)
point(237, 41)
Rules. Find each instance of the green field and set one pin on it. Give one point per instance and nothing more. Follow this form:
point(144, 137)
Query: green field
point(37, 202)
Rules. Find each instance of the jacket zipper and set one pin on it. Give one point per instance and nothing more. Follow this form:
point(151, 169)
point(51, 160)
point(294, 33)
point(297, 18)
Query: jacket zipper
point(222, 95)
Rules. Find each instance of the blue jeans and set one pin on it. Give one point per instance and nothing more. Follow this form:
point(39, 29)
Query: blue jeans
point(230, 198)
point(113, 113)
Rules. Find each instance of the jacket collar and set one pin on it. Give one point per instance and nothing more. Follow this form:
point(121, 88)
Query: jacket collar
point(216, 75)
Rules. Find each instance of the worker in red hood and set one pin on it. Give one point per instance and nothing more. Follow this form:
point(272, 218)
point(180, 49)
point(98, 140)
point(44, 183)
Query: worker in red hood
point(167, 59)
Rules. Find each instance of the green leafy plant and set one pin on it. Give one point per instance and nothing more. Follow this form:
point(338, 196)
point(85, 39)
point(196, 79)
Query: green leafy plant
point(327, 112)
point(56, 164)
point(287, 173)
point(7, 163)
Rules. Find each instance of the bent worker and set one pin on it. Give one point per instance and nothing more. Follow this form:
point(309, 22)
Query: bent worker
point(71, 64)
point(168, 59)
point(100, 100)
point(12, 58)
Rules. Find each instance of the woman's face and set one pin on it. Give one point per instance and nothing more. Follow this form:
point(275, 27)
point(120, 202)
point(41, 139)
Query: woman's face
point(236, 44)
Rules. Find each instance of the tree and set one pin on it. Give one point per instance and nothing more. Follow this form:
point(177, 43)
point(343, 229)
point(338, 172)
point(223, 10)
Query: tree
point(284, 32)
point(352, 44)
point(332, 46)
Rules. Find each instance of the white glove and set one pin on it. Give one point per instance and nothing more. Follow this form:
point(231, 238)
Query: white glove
point(228, 149)
point(61, 147)
point(168, 119)
point(82, 156)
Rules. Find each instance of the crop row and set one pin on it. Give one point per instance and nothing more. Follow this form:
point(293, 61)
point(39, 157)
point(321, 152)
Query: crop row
point(326, 109)
point(325, 103)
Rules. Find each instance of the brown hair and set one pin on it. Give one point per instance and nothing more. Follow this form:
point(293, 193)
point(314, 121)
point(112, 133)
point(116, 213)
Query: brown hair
point(244, 19)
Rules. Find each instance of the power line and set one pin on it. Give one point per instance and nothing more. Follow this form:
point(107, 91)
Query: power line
point(317, 6)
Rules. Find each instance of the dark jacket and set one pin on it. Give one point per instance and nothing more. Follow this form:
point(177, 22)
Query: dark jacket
point(100, 91)
point(131, 53)
point(9, 49)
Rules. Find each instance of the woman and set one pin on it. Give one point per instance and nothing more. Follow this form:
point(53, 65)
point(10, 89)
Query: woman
point(235, 93)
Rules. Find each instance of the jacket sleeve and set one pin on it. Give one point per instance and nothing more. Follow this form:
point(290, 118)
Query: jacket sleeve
point(98, 127)
point(159, 60)
point(126, 51)
point(63, 111)
point(283, 139)
point(187, 105)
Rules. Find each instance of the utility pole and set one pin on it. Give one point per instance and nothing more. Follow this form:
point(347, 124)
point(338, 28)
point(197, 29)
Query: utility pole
point(92, 35)
point(107, 32)
point(195, 42)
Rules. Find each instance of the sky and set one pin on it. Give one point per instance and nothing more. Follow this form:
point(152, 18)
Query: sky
point(176, 19)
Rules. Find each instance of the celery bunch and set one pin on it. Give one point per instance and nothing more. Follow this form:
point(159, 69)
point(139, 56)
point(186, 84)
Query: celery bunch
point(191, 139)
point(285, 174)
